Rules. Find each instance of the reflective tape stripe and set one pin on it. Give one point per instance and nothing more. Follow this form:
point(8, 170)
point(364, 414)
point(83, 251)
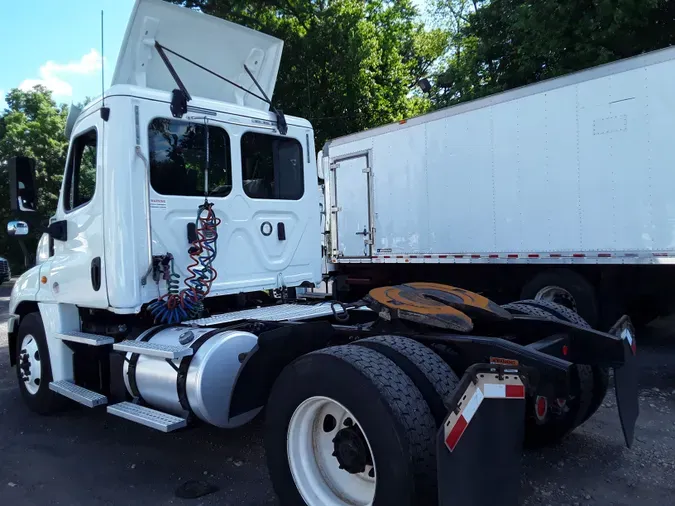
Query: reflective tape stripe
point(493, 390)
point(515, 391)
point(472, 406)
point(503, 391)
point(456, 433)
point(488, 386)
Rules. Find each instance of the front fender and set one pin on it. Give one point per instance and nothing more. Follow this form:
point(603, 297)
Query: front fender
point(26, 288)
point(25, 294)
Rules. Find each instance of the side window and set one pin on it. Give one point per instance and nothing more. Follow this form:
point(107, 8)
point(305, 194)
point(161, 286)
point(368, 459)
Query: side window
point(81, 172)
point(272, 167)
point(178, 158)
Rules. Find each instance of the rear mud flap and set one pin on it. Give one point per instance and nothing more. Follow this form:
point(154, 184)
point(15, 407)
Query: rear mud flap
point(626, 379)
point(480, 445)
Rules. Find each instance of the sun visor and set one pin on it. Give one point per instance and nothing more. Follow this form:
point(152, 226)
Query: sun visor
point(214, 43)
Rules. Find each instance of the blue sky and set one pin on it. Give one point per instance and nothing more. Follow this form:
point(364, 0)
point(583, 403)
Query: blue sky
point(58, 42)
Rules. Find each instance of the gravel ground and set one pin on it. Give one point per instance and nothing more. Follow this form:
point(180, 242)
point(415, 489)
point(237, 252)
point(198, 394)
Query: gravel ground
point(84, 457)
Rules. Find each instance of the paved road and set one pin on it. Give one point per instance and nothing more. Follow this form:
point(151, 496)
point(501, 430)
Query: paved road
point(87, 458)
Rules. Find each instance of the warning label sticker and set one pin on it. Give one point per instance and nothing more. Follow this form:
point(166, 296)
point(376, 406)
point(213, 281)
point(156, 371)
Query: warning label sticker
point(503, 361)
point(157, 204)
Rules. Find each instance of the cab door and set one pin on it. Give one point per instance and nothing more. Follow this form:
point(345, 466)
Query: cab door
point(76, 272)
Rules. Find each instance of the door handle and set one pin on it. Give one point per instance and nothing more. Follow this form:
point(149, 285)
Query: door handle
point(364, 233)
point(96, 274)
point(281, 231)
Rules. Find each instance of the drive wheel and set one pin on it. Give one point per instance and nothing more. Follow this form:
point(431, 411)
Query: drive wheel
point(550, 420)
point(33, 369)
point(430, 373)
point(345, 426)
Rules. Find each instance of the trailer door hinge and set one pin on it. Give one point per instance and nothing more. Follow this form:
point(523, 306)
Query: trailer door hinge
point(368, 241)
point(334, 166)
point(336, 209)
point(366, 170)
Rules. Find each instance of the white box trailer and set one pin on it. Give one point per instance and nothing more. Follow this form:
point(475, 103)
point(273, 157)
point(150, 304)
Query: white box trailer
point(575, 170)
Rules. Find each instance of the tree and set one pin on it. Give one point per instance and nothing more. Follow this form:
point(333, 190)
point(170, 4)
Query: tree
point(32, 125)
point(348, 65)
point(461, 76)
point(518, 42)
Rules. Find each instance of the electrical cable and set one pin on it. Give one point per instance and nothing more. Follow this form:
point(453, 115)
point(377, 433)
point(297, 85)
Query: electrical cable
point(177, 305)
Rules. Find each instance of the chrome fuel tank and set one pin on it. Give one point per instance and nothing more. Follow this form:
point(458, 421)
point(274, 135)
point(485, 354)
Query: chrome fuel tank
point(201, 384)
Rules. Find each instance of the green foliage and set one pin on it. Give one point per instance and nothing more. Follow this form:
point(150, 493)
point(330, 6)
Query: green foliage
point(511, 43)
point(347, 65)
point(32, 125)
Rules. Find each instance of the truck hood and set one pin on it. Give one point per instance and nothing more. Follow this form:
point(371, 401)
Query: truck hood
point(216, 44)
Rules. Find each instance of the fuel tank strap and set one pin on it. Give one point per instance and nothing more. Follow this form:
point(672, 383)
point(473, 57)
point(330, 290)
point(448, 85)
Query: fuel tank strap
point(185, 364)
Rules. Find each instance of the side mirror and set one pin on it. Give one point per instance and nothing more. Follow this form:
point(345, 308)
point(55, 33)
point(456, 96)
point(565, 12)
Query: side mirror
point(17, 228)
point(22, 194)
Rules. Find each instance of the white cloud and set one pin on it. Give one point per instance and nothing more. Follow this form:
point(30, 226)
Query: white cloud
point(53, 75)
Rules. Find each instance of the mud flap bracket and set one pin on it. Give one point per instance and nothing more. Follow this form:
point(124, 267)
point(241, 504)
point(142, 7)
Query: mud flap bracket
point(626, 379)
point(479, 446)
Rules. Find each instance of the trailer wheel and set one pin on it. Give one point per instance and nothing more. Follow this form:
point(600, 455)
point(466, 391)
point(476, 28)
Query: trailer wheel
point(544, 428)
point(565, 287)
point(430, 373)
point(346, 426)
point(33, 368)
point(600, 374)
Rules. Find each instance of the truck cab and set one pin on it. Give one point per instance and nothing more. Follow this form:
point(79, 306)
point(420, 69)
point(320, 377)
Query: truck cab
point(137, 173)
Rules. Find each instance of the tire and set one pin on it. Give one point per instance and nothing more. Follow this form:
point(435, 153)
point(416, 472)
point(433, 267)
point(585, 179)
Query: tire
point(432, 376)
point(600, 374)
point(582, 292)
point(578, 408)
point(41, 400)
point(394, 417)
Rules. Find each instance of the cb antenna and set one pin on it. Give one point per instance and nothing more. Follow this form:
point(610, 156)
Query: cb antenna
point(102, 67)
point(105, 112)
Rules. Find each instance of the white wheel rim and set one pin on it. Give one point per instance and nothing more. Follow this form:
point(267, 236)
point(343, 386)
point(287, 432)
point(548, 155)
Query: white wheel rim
point(315, 470)
point(29, 364)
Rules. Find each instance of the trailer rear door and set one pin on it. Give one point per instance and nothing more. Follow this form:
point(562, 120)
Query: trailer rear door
point(351, 178)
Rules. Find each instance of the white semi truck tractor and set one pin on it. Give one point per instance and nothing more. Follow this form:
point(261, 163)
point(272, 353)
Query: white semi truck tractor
point(165, 292)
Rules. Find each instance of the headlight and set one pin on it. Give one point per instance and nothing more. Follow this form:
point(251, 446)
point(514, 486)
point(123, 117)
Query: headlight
point(42, 249)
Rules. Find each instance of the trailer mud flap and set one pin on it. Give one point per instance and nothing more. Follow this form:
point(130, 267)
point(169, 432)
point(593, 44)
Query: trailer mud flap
point(479, 447)
point(626, 379)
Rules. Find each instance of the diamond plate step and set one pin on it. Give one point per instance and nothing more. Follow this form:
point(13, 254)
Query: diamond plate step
point(280, 312)
point(84, 338)
point(78, 393)
point(154, 349)
point(147, 416)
